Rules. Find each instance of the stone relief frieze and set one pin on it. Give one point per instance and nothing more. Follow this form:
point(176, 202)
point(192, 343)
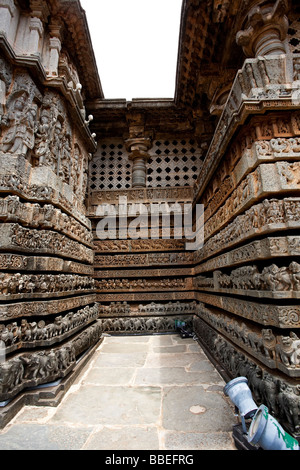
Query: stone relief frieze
point(16, 285)
point(261, 152)
point(43, 308)
point(257, 250)
point(119, 308)
point(136, 195)
point(143, 325)
point(14, 262)
point(16, 237)
point(138, 245)
point(136, 296)
point(142, 283)
point(150, 259)
point(271, 281)
point(279, 394)
point(48, 216)
point(282, 316)
point(31, 334)
point(265, 181)
point(273, 349)
point(143, 273)
point(265, 217)
point(34, 368)
point(259, 84)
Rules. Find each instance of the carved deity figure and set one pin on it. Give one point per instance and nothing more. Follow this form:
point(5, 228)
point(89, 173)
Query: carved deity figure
point(20, 122)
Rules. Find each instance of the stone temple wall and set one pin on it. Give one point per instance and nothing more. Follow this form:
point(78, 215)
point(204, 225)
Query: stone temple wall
point(247, 272)
point(62, 285)
point(48, 308)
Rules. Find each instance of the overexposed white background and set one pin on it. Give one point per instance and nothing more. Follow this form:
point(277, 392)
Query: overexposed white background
point(136, 46)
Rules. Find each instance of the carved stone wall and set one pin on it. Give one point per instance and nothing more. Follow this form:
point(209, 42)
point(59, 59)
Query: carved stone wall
point(246, 274)
point(230, 141)
point(49, 309)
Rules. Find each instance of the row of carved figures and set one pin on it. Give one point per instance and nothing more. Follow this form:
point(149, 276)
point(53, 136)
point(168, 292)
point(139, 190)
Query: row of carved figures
point(283, 348)
point(272, 278)
point(33, 368)
point(32, 331)
point(42, 132)
point(123, 308)
point(46, 216)
point(281, 397)
point(43, 283)
point(140, 324)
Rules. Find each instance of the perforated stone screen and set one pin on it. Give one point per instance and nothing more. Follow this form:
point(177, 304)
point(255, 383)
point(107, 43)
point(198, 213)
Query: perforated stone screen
point(172, 163)
point(110, 167)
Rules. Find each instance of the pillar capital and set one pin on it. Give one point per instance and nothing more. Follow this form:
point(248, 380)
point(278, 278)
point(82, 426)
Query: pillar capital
point(137, 144)
point(265, 29)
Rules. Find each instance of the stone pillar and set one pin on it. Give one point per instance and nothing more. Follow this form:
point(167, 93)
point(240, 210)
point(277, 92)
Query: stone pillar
point(265, 30)
point(138, 145)
point(54, 47)
point(139, 157)
point(39, 14)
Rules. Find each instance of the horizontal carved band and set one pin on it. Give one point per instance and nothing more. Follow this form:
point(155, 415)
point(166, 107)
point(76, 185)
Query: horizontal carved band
point(281, 316)
point(272, 281)
point(137, 195)
point(35, 368)
point(280, 394)
point(150, 259)
point(119, 308)
point(25, 335)
point(143, 325)
point(44, 308)
point(254, 251)
point(13, 262)
point(18, 286)
point(142, 284)
point(146, 296)
point(273, 350)
point(102, 246)
point(46, 217)
point(15, 237)
point(20, 179)
point(266, 217)
point(266, 181)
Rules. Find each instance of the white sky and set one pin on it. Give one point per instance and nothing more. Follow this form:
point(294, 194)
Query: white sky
point(136, 45)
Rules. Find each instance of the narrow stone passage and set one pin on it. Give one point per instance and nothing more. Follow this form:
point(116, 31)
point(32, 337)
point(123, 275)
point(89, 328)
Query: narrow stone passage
point(155, 392)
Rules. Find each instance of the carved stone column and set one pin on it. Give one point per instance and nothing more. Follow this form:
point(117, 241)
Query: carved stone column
point(39, 14)
point(138, 145)
point(54, 47)
point(265, 30)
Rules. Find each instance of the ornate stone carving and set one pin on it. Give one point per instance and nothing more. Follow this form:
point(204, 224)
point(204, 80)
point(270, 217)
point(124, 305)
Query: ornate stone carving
point(14, 286)
point(265, 30)
point(31, 334)
point(272, 349)
point(281, 316)
point(143, 325)
point(15, 237)
point(31, 369)
point(278, 393)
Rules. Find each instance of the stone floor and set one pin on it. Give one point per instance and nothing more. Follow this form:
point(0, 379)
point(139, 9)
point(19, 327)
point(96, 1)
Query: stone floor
point(137, 393)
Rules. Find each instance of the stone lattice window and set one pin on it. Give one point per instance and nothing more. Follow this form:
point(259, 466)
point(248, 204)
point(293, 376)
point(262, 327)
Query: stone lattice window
point(173, 163)
point(110, 167)
point(294, 36)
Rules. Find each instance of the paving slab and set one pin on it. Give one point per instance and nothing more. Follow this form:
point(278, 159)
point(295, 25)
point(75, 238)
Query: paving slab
point(155, 392)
